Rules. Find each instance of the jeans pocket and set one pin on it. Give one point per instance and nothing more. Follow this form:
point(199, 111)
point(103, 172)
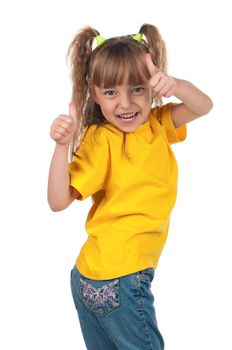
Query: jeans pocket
point(101, 299)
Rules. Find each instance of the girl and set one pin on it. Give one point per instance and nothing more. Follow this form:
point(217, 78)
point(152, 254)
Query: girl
point(119, 135)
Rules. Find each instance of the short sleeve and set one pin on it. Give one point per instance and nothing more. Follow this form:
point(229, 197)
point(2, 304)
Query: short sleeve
point(88, 169)
point(173, 134)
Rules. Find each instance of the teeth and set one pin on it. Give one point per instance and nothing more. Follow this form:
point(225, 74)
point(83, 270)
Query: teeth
point(127, 116)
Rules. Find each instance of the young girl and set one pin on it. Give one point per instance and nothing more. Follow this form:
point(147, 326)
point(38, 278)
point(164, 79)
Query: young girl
point(119, 134)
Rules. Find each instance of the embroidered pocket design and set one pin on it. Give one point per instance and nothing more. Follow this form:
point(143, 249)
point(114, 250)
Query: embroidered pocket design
point(101, 300)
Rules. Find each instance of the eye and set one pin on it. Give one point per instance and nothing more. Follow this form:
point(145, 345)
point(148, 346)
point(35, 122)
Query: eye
point(138, 90)
point(109, 93)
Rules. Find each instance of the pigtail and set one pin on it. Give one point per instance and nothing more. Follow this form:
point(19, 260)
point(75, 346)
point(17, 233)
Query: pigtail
point(79, 53)
point(78, 57)
point(156, 45)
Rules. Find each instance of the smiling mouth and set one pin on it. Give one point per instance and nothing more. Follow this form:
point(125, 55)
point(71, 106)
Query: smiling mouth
point(127, 116)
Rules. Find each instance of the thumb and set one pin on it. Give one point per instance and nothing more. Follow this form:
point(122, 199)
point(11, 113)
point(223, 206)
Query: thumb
point(73, 112)
point(150, 65)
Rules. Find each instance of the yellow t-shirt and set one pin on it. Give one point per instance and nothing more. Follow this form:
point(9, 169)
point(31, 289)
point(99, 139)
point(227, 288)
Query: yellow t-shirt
point(128, 222)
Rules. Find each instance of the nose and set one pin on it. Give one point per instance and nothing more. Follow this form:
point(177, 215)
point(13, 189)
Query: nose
point(124, 101)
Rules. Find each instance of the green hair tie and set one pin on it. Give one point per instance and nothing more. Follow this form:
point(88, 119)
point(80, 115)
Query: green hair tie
point(100, 40)
point(138, 37)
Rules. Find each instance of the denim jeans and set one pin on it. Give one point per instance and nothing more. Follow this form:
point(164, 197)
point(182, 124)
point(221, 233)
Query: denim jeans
point(117, 314)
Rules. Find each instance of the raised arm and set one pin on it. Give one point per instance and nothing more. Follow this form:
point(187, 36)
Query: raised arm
point(60, 193)
point(195, 103)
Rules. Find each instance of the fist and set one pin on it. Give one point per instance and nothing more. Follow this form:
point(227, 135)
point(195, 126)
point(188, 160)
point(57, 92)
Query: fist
point(64, 127)
point(162, 84)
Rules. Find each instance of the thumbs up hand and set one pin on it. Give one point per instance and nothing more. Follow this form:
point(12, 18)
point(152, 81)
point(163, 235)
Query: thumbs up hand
point(64, 127)
point(162, 84)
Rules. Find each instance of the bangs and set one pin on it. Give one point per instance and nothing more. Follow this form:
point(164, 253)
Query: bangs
point(119, 62)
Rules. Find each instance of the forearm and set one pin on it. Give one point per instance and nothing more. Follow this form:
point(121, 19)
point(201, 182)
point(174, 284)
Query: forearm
point(192, 97)
point(59, 190)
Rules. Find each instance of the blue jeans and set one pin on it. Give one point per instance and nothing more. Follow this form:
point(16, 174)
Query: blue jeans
point(117, 314)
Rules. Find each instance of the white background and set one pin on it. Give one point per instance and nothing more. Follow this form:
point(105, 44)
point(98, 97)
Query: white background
point(38, 247)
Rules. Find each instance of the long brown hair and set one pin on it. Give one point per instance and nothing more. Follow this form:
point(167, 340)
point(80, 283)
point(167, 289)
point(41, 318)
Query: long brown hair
point(106, 66)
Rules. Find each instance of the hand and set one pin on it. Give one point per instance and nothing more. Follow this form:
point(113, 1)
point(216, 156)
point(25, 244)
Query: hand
point(161, 83)
point(64, 127)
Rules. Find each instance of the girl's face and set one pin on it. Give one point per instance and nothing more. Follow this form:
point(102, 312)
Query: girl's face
point(125, 106)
